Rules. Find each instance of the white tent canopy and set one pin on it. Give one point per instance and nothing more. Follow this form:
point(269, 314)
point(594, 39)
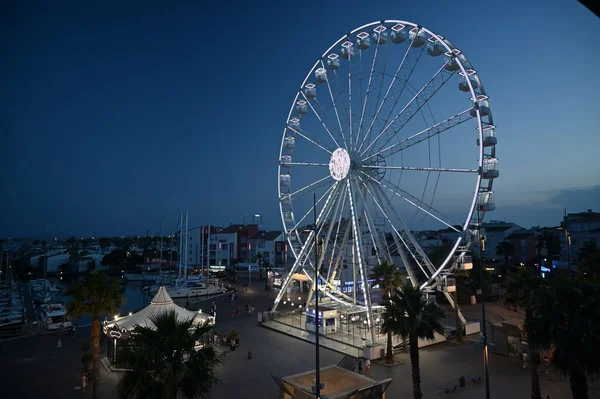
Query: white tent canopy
point(161, 302)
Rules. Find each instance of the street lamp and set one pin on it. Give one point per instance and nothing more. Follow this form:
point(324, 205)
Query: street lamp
point(483, 321)
point(259, 217)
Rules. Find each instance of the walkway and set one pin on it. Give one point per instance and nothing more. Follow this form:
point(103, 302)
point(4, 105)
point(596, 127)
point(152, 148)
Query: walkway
point(28, 303)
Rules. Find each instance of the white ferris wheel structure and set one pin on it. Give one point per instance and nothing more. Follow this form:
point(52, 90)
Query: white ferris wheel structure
point(392, 131)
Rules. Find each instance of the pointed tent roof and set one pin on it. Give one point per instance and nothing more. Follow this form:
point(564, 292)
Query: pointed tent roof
point(161, 302)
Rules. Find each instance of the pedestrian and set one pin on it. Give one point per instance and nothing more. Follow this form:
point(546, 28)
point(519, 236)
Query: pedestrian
point(546, 363)
point(524, 360)
point(58, 344)
point(360, 367)
point(368, 368)
point(83, 381)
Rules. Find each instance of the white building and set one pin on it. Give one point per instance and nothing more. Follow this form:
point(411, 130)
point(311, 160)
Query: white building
point(584, 229)
point(495, 232)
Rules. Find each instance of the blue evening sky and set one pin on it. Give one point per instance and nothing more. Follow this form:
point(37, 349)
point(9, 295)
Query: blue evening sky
point(114, 115)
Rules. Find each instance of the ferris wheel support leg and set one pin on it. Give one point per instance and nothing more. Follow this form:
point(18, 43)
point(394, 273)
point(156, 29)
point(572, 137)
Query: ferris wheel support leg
point(454, 305)
point(287, 280)
point(361, 264)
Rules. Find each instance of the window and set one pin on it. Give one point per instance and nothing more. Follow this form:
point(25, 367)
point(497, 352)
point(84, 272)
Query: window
point(190, 259)
point(190, 252)
point(523, 243)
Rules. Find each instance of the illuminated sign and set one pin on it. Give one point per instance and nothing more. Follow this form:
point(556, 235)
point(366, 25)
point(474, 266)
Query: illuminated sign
point(115, 334)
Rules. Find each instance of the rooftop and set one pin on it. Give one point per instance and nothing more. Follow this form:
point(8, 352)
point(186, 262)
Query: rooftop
point(339, 382)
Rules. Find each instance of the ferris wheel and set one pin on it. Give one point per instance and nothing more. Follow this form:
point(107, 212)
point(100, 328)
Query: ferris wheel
point(392, 132)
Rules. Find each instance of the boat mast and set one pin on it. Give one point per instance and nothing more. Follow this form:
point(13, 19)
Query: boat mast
point(162, 228)
point(186, 246)
point(180, 246)
point(208, 254)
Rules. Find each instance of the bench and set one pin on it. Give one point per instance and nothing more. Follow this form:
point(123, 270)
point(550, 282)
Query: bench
point(475, 379)
point(450, 389)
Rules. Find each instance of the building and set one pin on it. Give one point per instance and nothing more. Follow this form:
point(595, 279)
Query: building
point(525, 244)
point(263, 242)
point(240, 235)
point(583, 229)
point(197, 245)
point(495, 232)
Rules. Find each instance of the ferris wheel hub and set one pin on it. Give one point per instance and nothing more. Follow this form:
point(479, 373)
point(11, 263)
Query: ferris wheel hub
point(339, 164)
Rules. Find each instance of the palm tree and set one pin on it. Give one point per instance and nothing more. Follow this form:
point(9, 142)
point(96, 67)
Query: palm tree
point(165, 360)
point(104, 243)
point(84, 244)
point(388, 277)
point(259, 258)
point(521, 288)
point(505, 249)
point(98, 294)
point(267, 266)
point(567, 317)
point(408, 314)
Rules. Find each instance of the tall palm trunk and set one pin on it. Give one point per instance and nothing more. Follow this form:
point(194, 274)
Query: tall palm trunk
point(414, 362)
point(578, 382)
point(531, 355)
point(389, 355)
point(95, 355)
point(459, 330)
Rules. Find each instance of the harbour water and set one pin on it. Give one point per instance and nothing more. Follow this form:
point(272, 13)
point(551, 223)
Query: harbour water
point(135, 299)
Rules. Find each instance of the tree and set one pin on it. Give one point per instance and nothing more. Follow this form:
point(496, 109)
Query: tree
point(550, 242)
point(388, 277)
point(98, 294)
point(589, 264)
point(117, 257)
point(36, 243)
point(505, 249)
point(104, 243)
point(267, 266)
point(408, 314)
point(72, 242)
point(567, 318)
point(521, 287)
point(165, 360)
point(84, 244)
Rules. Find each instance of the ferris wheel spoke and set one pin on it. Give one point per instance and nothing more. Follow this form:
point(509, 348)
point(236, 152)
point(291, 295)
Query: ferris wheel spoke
point(320, 119)
point(335, 109)
point(344, 195)
point(364, 105)
point(379, 248)
point(414, 168)
point(310, 211)
point(423, 135)
point(299, 133)
point(360, 256)
point(403, 234)
point(311, 187)
point(410, 60)
point(428, 209)
point(414, 105)
point(303, 164)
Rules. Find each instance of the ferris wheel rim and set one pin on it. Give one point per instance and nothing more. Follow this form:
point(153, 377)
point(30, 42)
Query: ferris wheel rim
point(463, 68)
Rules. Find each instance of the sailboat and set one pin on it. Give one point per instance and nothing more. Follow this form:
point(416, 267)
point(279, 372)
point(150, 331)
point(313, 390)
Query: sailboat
point(184, 287)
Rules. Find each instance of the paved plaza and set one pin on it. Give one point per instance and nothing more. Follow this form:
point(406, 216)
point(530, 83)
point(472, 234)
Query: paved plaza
point(34, 367)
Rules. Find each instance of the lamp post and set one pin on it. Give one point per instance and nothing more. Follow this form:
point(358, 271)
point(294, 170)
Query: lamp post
point(567, 240)
point(318, 369)
point(483, 321)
